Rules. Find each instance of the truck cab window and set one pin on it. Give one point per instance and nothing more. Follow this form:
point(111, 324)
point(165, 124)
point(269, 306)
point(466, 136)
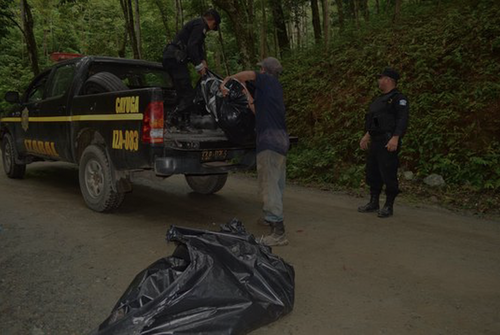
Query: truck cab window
point(37, 90)
point(61, 81)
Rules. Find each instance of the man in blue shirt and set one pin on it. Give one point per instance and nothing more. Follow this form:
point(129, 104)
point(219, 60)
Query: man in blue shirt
point(272, 142)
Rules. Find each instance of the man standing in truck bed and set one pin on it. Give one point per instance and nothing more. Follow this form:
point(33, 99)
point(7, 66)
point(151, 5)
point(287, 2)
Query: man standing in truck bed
point(188, 46)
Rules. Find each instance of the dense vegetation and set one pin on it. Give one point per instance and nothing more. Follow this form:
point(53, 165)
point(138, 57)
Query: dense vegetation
point(449, 58)
point(447, 51)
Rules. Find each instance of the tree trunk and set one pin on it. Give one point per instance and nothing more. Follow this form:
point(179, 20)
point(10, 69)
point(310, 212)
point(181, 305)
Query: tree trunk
point(240, 14)
point(326, 21)
point(365, 10)
point(224, 58)
point(291, 35)
point(263, 31)
point(377, 5)
point(123, 46)
point(131, 29)
point(164, 19)
point(316, 21)
point(249, 10)
point(280, 25)
point(129, 23)
point(397, 10)
point(277, 50)
point(137, 26)
point(340, 11)
point(305, 25)
point(356, 12)
point(180, 15)
point(27, 19)
point(296, 19)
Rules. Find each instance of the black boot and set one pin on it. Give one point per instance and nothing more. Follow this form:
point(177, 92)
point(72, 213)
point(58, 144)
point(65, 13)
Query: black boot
point(186, 124)
point(372, 206)
point(387, 210)
point(173, 120)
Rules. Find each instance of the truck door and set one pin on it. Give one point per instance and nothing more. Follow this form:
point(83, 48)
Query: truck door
point(30, 106)
point(52, 130)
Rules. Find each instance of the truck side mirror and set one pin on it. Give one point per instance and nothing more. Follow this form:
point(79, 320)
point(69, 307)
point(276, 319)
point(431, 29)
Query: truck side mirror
point(12, 97)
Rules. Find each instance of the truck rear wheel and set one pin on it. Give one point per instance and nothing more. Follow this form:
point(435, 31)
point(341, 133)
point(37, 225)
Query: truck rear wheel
point(103, 82)
point(9, 155)
point(95, 175)
point(208, 184)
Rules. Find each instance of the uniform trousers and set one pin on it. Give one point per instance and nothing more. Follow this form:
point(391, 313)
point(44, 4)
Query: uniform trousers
point(182, 82)
point(382, 168)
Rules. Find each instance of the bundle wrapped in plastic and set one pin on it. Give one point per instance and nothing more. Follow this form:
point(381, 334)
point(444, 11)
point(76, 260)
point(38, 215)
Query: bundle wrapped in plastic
point(231, 113)
point(214, 283)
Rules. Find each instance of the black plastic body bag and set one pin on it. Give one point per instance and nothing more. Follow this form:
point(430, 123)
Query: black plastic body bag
point(214, 283)
point(231, 113)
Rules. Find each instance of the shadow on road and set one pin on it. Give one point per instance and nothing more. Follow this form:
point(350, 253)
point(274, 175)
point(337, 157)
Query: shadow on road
point(151, 198)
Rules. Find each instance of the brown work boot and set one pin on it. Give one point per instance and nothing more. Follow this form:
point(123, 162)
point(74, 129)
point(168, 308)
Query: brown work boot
point(274, 239)
point(277, 236)
point(262, 222)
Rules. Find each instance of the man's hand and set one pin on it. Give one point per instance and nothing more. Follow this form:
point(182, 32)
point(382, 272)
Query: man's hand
point(365, 140)
point(223, 87)
point(392, 145)
point(203, 68)
point(242, 77)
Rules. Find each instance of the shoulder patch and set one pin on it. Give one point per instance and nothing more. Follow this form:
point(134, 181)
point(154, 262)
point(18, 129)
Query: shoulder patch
point(402, 102)
point(204, 31)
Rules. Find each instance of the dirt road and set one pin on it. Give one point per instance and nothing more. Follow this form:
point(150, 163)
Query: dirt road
point(424, 271)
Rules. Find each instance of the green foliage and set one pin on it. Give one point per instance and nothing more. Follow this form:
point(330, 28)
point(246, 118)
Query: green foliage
point(449, 64)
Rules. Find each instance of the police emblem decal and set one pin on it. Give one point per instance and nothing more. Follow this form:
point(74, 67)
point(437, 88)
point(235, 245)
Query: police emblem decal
point(25, 118)
point(402, 102)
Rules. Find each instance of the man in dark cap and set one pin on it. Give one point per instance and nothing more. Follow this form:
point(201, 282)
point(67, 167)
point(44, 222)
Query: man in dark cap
point(272, 143)
point(385, 124)
point(188, 46)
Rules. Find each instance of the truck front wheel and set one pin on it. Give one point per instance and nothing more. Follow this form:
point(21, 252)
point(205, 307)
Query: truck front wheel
point(9, 155)
point(95, 174)
point(208, 184)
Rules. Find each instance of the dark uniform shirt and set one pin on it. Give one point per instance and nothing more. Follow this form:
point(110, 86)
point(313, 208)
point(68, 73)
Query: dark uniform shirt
point(388, 114)
point(192, 38)
point(270, 115)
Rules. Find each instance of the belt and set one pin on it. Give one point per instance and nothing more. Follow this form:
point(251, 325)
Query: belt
point(380, 137)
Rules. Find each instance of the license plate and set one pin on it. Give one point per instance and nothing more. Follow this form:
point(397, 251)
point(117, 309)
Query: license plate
point(213, 155)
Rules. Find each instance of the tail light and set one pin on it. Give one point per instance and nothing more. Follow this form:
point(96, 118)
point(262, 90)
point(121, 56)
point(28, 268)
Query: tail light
point(152, 123)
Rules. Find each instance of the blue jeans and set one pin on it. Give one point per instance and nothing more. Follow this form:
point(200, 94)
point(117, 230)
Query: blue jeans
point(271, 173)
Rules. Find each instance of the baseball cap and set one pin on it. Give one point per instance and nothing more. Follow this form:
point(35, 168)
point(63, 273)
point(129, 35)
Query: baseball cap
point(389, 72)
point(271, 65)
point(213, 13)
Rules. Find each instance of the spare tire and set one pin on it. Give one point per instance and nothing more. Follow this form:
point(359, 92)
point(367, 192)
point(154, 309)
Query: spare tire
point(103, 82)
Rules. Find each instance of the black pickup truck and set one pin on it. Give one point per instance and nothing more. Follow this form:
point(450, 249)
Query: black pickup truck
point(108, 115)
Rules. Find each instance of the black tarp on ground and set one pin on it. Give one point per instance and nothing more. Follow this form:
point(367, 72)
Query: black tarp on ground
point(214, 283)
